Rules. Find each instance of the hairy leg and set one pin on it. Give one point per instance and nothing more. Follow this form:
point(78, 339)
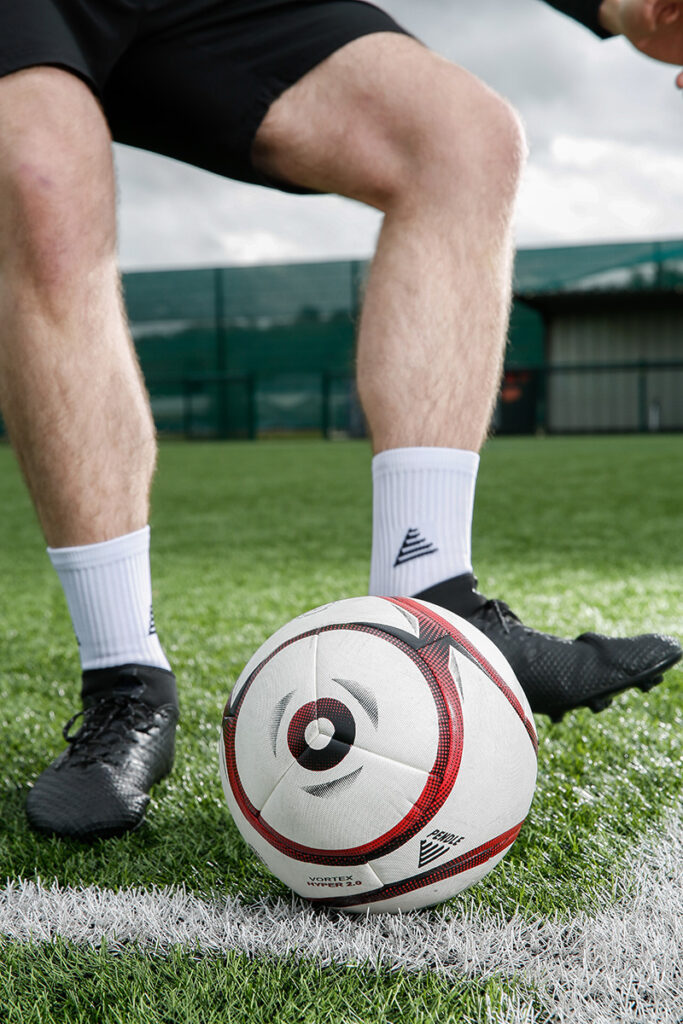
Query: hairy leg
point(70, 388)
point(388, 123)
point(385, 122)
point(79, 420)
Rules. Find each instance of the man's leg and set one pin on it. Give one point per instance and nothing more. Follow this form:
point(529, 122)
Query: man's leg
point(71, 394)
point(79, 420)
point(388, 123)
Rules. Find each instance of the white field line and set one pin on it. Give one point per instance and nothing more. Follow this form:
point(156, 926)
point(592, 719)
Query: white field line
point(619, 965)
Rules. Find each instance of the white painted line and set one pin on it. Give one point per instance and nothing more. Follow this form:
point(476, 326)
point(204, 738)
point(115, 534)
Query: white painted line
point(621, 965)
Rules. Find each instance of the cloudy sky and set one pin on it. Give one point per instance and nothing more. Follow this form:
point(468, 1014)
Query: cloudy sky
point(605, 127)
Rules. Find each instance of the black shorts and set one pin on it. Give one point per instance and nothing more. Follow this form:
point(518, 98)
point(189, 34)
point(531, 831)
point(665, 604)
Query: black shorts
point(191, 79)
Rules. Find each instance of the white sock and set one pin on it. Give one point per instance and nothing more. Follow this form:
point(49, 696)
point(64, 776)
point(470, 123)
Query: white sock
point(108, 589)
point(423, 500)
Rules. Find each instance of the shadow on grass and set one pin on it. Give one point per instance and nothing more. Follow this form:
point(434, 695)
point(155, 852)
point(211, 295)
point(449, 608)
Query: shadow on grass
point(199, 848)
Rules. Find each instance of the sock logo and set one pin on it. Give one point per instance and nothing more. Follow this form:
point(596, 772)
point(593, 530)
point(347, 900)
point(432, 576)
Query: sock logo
point(414, 546)
point(152, 625)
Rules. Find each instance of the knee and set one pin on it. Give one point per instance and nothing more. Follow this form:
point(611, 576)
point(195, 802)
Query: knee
point(54, 221)
point(388, 123)
point(486, 149)
point(57, 215)
point(460, 146)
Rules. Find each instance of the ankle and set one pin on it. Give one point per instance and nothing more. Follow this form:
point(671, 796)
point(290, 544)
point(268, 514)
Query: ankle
point(459, 594)
point(146, 683)
point(108, 590)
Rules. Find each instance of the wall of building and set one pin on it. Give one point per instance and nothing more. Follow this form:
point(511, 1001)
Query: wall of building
point(601, 374)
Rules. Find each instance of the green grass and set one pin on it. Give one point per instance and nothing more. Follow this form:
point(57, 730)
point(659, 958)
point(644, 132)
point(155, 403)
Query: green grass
point(576, 534)
point(37, 988)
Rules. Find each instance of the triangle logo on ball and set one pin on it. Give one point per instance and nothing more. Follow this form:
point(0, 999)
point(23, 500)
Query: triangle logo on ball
point(430, 851)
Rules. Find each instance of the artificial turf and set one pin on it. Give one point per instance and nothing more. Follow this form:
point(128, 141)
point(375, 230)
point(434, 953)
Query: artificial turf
point(37, 987)
point(576, 534)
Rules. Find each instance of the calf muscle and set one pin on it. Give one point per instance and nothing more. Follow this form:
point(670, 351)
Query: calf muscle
point(70, 388)
point(386, 122)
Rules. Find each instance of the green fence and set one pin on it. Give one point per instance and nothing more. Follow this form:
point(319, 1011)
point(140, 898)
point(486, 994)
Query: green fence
point(247, 352)
point(258, 405)
point(255, 351)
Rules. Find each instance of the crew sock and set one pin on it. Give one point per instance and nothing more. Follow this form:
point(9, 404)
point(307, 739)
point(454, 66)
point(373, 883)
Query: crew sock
point(108, 589)
point(423, 499)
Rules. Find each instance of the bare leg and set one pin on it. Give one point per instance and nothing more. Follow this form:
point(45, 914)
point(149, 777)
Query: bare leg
point(79, 421)
point(386, 122)
point(70, 387)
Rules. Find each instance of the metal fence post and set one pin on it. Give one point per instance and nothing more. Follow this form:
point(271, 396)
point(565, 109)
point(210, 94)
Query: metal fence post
point(326, 401)
point(252, 412)
point(642, 399)
point(221, 361)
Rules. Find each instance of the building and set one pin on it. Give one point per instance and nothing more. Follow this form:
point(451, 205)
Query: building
point(611, 318)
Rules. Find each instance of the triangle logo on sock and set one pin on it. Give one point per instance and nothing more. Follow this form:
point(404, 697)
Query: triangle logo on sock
point(414, 546)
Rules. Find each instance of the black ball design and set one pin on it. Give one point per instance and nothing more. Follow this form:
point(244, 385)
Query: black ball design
point(340, 743)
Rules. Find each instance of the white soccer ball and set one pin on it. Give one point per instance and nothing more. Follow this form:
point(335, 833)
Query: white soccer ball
point(378, 754)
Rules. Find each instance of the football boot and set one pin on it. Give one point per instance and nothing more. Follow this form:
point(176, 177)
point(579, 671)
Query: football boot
point(99, 786)
point(558, 674)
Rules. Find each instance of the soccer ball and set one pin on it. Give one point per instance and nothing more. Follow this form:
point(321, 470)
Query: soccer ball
point(378, 754)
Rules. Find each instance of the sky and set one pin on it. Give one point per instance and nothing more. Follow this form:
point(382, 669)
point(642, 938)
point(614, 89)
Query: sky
point(604, 125)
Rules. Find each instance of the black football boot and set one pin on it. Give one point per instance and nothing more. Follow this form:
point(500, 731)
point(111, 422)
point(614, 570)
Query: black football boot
point(556, 674)
point(99, 786)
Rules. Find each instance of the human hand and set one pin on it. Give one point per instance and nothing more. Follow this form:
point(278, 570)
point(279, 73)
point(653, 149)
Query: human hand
point(655, 27)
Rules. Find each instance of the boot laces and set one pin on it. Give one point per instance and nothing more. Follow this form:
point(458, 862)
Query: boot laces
point(106, 727)
point(506, 617)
